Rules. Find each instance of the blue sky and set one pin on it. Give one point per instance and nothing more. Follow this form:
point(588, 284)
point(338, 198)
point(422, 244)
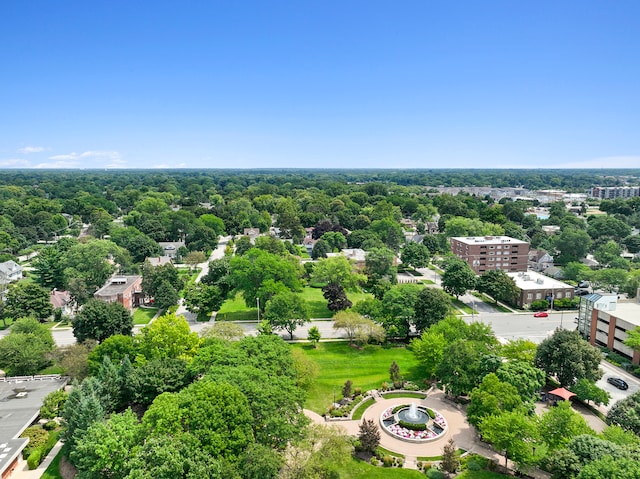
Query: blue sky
point(362, 84)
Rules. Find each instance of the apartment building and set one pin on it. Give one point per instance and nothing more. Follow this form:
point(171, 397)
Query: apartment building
point(609, 329)
point(612, 192)
point(484, 253)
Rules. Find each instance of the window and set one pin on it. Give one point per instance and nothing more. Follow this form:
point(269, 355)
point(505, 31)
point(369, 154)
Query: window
point(538, 295)
point(529, 295)
point(499, 247)
point(559, 294)
point(506, 246)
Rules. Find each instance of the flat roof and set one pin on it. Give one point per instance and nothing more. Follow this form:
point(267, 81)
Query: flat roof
point(629, 312)
point(18, 412)
point(488, 240)
point(117, 284)
point(531, 280)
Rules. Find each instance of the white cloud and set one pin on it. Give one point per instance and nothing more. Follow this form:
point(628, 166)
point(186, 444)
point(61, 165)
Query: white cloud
point(31, 149)
point(14, 163)
point(87, 159)
point(60, 164)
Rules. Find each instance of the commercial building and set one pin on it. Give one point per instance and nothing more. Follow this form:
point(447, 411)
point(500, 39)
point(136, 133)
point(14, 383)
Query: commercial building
point(484, 253)
point(536, 287)
point(126, 290)
point(609, 327)
point(612, 192)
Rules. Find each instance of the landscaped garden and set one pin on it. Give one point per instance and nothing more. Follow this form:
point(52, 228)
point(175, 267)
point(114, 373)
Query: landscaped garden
point(367, 368)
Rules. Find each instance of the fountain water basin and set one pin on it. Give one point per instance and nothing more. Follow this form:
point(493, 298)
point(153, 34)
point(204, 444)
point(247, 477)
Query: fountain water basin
point(413, 423)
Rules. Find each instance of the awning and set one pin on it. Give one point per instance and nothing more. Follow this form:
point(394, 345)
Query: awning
point(563, 393)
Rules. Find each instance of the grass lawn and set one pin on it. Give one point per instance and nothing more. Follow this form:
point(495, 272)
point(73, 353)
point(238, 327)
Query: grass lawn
point(460, 305)
point(234, 309)
point(144, 315)
point(486, 299)
point(356, 469)
point(53, 471)
point(367, 368)
point(415, 395)
point(359, 411)
point(480, 475)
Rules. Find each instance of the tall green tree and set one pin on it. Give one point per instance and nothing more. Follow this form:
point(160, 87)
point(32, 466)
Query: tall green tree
point(26, 349)
point(287, 311)
point(337, 270)
point(415, 254)
point(511, 432)
point(431, 306)
point(569, 358)
point(458, 278)
point(98, 320)
point(28, 299)
point(498, 285)
point(491, 398)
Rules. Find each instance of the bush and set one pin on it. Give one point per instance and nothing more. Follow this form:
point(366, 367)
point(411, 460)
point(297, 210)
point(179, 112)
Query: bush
point(34, 459)
point(50, 426)
point(357, 392)
point(540, 305)
point(411, 426)
point(37, 438)
point(431, 414)
point(409, 386)
point(434, 474)
point(385, 386)
point(374, 461)
point(474, 462)
point(387, 461)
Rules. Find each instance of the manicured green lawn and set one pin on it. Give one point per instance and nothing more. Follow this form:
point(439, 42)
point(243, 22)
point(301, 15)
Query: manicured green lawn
point(356, 469)
point(144, 315)
point(367, 368)
point(234, 309)
point(480, 475)
point(53, 471)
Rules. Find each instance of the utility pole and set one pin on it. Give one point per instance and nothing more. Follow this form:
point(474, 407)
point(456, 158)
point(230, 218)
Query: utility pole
point(258, 303)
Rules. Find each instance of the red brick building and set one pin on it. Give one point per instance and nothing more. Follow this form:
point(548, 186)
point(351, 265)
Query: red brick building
point(126, 290)
point(484, 253)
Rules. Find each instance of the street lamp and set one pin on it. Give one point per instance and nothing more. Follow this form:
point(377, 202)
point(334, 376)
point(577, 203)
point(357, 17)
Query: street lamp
point(258, 303)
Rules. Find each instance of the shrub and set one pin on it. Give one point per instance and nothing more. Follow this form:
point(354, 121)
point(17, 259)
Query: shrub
point(357, 392)
point(409, 386)
point(387, 461)
point(540, 305)
point(37, 438)
point(419, 465)
point(434, 474)
point(385, 386)
point(50, 426)
point(474, 462)
point(413, 427)
point(374, 461)
point(431, 414)
point(34, 459)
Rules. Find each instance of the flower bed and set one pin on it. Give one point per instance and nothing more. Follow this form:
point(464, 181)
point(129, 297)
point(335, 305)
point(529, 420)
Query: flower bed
point(397, 428)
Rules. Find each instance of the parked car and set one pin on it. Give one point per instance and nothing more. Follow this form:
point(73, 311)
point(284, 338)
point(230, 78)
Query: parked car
point(541, 314)
point(618, 382)
point(583, 284)
point(169, 247)
point(581, 292)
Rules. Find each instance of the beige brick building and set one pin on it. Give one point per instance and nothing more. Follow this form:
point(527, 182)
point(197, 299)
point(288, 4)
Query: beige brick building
point(484, 253)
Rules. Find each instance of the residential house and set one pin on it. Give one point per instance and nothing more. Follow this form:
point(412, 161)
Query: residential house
point(126, 290)
point(535, 287)
point(159, 260)
point(539, 260)
point(10, 271)
point(171, 248)
point(61, 300)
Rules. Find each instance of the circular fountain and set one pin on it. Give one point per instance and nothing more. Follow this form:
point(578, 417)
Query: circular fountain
point(413, 423)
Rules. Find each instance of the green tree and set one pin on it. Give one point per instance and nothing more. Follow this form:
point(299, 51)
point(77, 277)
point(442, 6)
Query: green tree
point(49, 268)
point(288, 220)
point(511, 432)
point(498, 285)
point(398, 308)
point(379, 265)
point(287, 311)
point(314, 336)
point(154, 377)
point(450, 457)
point(83, 407)
point(415, 254)
point(224, 330)
point(587, 391)
point(168, 337)
point(104, 450)
point(492, 397)
point(98, 320)
point(431, 306)
point(519, 349)
point(572, 245)
point(337, 270)
point(260, 462)
point(569, 358)
point(320, 249)
point(256, 267)
point(611, 468)
point(626, 413)
point(202, 299)
point(216, 414)
point(26, 349)
point(460, 368)
point(28, 299)
point(561, 424)
point(526, 378)
point(369, 436)
point(458, 278)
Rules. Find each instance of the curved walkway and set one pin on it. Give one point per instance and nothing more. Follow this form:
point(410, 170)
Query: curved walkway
point(457, 427)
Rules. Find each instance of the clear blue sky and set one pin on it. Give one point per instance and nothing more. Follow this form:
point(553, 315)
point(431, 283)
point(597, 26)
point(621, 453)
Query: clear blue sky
point(242, 84)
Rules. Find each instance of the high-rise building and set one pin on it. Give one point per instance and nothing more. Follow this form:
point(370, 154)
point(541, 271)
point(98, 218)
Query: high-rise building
point(484, 253)
point(613, 192)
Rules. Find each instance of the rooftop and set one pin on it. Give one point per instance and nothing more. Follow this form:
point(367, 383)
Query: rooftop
point(18, 412)
point(629, 312)
point(488, 240)
point(116, 285)
point(532, 280)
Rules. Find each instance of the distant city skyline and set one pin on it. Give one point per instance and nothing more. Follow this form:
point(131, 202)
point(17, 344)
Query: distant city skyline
point(300, 84)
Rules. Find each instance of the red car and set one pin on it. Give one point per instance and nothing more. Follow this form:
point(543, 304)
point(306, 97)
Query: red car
point(541, 314)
